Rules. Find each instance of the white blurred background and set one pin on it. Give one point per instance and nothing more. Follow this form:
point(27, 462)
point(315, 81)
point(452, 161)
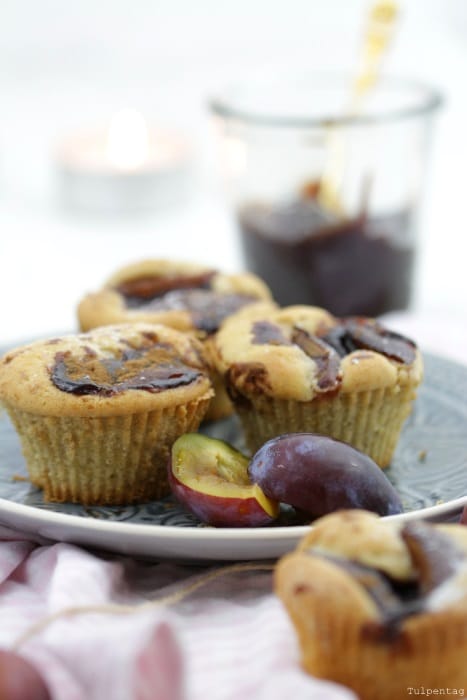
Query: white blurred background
point(64, 65)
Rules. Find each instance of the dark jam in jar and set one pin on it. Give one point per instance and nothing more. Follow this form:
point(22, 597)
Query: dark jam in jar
point(360, 266)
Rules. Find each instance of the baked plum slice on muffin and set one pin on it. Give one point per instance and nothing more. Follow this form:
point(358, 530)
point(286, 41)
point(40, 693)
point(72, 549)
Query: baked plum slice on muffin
point(299, 369)
point(186, 296)
point(97, 413)
point(210, 478)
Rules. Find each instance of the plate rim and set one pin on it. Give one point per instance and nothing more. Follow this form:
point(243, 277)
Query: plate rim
point(45, 516)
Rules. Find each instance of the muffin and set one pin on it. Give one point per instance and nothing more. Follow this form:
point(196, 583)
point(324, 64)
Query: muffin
point(379, 607)
point(97, 413)
point(186, 296)
point(299, 369)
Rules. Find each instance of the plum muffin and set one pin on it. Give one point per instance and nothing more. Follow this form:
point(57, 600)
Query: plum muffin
point(97, 413)
point(379, 606)
point(299, 369)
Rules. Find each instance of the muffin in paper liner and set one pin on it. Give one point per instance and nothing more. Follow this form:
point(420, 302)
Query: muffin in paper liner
point(343, 633)
point(187, 296)
point(371, 421)
point(97, 413)
point(299, 369)
point(109, 460)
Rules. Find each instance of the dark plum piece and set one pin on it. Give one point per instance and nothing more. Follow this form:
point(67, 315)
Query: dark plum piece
point(367, 334)
point(210, 478)
point(140, 290)
point(325, 357)
point(318, 475)
point(19, 680)
point(267, 333)
point(435, 554)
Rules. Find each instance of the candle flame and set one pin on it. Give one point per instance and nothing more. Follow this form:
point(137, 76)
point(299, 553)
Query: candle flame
point(127, 140)
point(234, 157)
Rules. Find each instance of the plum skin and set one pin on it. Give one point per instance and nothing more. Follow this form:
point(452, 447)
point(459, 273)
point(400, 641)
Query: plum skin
point(19, 679)
point(221, 511)
point(318, 475)
point(210, 478)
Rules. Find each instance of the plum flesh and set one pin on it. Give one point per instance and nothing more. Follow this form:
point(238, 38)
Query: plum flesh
point(210, 478)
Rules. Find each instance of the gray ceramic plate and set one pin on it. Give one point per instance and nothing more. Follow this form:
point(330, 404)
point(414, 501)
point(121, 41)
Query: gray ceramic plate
point(429, 470)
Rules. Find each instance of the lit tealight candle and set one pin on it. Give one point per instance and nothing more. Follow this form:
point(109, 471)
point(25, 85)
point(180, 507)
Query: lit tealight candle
point(125, 168)
point(128, 145)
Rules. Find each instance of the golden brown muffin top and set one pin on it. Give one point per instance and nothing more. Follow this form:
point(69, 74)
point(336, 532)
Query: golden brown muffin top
point(113, 370)
point(390, 571)
point(186, 296)
point(299, 352)
point(363, 537)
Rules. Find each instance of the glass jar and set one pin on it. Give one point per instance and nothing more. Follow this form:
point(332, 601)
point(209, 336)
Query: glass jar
point(327, 193)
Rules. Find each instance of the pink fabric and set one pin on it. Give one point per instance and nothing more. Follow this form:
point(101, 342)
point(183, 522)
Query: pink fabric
point(229, 639)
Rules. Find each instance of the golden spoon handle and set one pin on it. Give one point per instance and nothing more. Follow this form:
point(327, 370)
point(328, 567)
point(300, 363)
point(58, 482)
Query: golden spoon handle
point(379, 32)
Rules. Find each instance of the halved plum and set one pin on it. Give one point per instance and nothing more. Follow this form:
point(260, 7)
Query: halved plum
point(318, 475)
point(210, 478)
